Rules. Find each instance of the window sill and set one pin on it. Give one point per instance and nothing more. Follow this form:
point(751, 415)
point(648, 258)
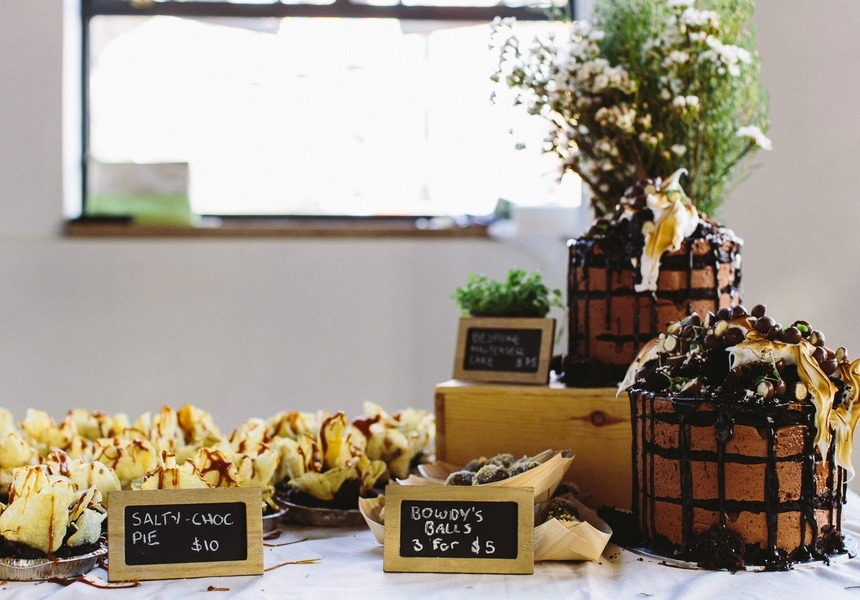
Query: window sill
point(275, 227)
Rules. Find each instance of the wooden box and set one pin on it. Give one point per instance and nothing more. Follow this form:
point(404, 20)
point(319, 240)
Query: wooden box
point(477, 419)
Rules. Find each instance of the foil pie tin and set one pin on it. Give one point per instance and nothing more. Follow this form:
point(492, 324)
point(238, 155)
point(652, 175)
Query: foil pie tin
point(323, 517)
point(271, 520)
point(40, 569)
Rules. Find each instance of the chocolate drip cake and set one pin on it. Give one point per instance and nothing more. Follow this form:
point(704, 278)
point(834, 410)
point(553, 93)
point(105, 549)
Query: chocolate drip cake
point(652, 262)
point(742, 434)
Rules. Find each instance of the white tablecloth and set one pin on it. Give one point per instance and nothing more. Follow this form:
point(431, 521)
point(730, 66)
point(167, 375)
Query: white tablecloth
point(350, 567)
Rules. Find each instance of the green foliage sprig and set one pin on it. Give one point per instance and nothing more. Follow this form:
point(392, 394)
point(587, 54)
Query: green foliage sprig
point(518, 296)
point(651, 87)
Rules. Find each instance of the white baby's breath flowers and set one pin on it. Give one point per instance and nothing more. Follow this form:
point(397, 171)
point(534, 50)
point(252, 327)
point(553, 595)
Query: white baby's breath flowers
point(700, 18)
point(618, 111)
point(754, 133)
point(648, 139)
point(726, 54)
point(626, 120)
point(677, 56)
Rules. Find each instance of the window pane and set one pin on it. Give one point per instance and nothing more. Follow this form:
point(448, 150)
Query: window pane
point(223, 1)
point(315, 116)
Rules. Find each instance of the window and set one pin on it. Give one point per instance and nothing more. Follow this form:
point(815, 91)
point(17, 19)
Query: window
point(325, 108)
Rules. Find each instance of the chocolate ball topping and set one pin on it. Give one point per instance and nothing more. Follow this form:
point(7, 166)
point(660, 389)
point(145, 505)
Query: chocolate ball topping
point(763, 324)
point(792, 335)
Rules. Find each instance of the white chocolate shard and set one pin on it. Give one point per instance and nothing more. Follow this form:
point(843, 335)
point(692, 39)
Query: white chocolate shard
point(675, 219)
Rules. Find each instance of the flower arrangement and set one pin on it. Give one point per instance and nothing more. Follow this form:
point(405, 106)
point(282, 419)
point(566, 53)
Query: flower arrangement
point(651, 87)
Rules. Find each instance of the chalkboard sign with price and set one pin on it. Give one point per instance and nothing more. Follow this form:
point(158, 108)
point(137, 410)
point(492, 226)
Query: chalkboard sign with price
point(459, 529)
point(504, 350)
point(170, 534)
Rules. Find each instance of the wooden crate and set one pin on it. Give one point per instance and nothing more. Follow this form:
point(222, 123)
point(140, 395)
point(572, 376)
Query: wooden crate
point(475, 420)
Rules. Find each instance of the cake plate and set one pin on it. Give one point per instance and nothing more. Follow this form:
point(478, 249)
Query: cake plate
point(838, 557)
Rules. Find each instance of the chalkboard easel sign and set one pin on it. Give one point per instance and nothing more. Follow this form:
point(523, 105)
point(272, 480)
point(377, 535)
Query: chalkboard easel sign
point(504, 350)
point(174, 534)
point(452, 529)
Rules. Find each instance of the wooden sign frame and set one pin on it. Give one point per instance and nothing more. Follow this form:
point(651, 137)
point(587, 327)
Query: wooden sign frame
point(523, 498)
point(546, 326)
point(119, 570)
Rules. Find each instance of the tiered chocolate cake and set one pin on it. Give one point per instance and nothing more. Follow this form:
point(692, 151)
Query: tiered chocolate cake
point(652, 262)
point(742, 433)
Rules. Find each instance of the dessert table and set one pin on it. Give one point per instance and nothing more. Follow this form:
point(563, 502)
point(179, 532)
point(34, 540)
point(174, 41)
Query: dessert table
point(347, 563)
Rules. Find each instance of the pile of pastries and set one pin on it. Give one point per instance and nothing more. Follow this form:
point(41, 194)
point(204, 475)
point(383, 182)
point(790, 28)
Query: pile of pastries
point(57, 475)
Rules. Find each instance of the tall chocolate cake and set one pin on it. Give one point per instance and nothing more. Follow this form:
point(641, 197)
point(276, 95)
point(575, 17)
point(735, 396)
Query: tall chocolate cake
point(742, 433)
point(652, 262)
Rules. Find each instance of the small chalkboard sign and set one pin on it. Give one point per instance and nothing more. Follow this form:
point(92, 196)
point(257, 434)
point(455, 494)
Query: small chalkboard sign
point(173, 534)
point(504, 350)
point(450, 529)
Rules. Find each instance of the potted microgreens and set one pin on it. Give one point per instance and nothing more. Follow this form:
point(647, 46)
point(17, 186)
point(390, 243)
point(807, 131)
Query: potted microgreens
point(519, 295)
point(504, 332)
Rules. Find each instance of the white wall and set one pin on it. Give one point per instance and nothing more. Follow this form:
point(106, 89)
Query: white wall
point(799, 212)
point(247, 328)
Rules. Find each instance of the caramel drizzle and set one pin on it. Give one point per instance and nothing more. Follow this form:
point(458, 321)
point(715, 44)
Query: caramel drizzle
point(307, 561)
point(287, 543)
point(67, 581)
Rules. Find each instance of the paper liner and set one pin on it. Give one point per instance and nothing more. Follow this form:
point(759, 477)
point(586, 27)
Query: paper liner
point(565, 540)
point(416, 480)
point(371, 510)
point(39, 569)
point(543, 479)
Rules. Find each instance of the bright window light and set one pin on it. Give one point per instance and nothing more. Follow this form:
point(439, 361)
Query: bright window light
point(317, 116)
